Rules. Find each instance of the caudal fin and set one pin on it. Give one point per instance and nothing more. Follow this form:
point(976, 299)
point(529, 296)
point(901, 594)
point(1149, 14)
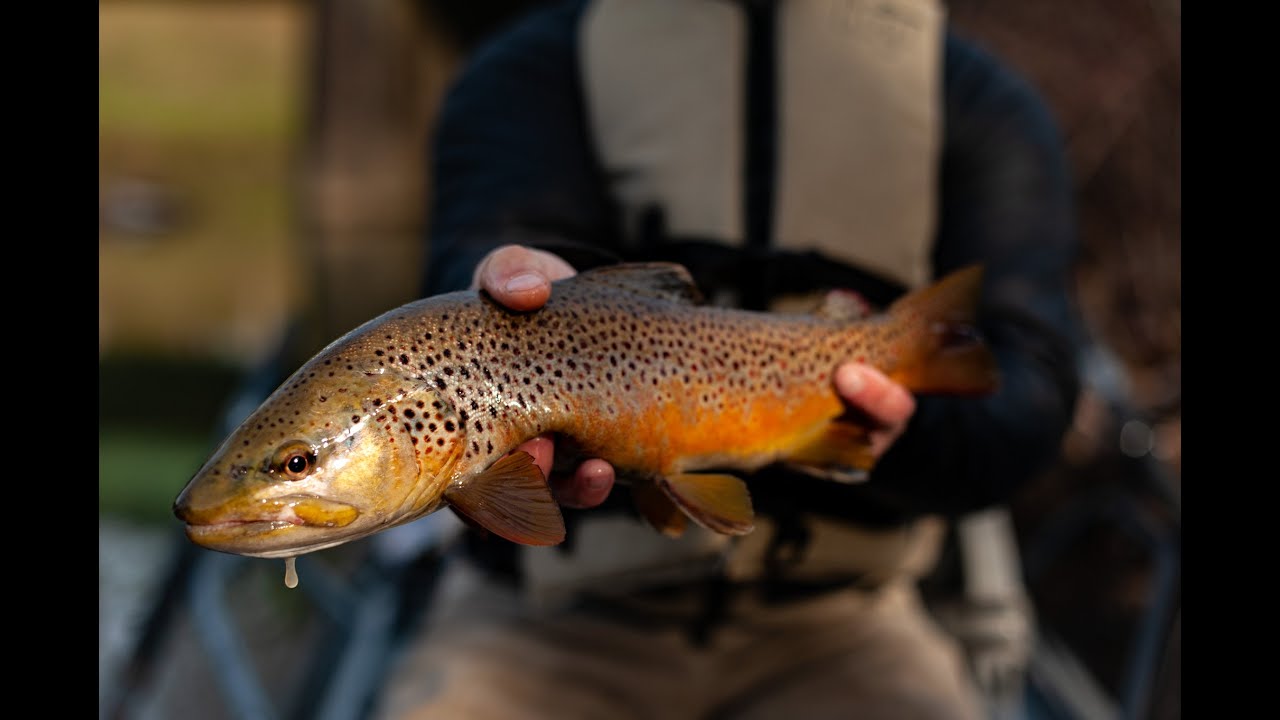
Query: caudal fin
point(939, 349)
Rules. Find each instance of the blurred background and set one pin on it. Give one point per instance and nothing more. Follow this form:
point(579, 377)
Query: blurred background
point(262, 186)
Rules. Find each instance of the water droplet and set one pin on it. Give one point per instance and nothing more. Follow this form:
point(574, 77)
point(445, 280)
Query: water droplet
point(290, 572)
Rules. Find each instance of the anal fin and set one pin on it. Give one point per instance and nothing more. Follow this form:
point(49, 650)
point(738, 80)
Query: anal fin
point(840, 452)
point(511, 500)
point(717, 502)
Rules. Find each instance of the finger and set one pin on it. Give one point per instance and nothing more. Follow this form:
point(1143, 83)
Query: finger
point(520, 277)
point(542, 448)
point(885, 401)
point(589, 485)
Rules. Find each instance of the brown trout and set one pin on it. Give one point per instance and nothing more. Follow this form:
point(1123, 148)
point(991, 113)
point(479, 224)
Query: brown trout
point(422, 407)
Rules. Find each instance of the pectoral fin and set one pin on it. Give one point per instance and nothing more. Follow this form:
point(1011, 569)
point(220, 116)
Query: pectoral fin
point(511, 500)
point(841, 451)
point(717, 502)
point(658, 509)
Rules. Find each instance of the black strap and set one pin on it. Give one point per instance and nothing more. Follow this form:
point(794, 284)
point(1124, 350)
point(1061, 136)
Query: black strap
point(760, 122)
point(758, 275)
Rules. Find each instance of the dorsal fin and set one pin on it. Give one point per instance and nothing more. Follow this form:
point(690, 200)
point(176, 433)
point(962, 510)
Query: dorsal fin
point(662, 280)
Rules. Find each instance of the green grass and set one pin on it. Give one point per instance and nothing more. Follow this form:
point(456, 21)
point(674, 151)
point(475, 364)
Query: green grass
point(141, 472)
point(156, 425)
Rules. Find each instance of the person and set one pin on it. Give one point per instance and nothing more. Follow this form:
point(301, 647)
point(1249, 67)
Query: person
point(778, 150)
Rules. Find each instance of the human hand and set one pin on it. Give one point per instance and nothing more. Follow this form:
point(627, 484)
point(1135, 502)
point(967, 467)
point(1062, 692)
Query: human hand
point(520, 278)
point(886, 403)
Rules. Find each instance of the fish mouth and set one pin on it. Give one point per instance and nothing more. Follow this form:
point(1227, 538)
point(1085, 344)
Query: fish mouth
point(277, 527)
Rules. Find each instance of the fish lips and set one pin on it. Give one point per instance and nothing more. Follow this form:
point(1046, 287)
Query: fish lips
point(274, 527)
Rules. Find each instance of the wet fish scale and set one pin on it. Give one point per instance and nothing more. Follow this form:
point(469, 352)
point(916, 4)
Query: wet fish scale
point(420, 407)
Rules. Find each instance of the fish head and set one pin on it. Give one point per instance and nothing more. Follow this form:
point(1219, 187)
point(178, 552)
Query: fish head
point(323, 463)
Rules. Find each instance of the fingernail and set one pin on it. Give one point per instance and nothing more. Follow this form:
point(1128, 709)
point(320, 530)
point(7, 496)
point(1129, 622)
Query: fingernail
point(524, 282)
point(851, 381)
point(595, 474)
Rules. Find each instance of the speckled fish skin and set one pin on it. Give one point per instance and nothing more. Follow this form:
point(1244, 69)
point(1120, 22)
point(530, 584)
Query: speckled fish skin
point(427, 397)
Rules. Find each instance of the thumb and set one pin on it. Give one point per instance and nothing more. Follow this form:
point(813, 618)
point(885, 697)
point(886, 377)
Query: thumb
point(519, 277)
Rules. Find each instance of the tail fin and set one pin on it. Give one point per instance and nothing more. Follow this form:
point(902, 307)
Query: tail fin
point(939, 348)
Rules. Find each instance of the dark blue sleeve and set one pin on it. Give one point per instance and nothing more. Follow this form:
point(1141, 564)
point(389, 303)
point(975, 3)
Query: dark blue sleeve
point(512, 157)
point(1006, 201)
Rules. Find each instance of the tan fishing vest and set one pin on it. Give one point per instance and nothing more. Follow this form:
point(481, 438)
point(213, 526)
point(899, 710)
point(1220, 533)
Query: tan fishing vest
point(858, 95)
point(859, 127)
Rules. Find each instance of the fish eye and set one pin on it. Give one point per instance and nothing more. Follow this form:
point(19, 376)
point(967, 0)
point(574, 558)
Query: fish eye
point(295, 461)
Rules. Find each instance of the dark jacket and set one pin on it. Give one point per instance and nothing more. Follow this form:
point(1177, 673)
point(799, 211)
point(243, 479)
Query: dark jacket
point(514, 164)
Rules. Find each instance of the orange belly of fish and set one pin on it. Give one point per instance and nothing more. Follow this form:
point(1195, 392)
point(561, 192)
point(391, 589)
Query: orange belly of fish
point(735, 430)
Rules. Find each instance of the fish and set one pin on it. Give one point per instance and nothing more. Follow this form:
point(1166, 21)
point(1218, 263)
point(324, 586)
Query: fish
point(424, 407)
